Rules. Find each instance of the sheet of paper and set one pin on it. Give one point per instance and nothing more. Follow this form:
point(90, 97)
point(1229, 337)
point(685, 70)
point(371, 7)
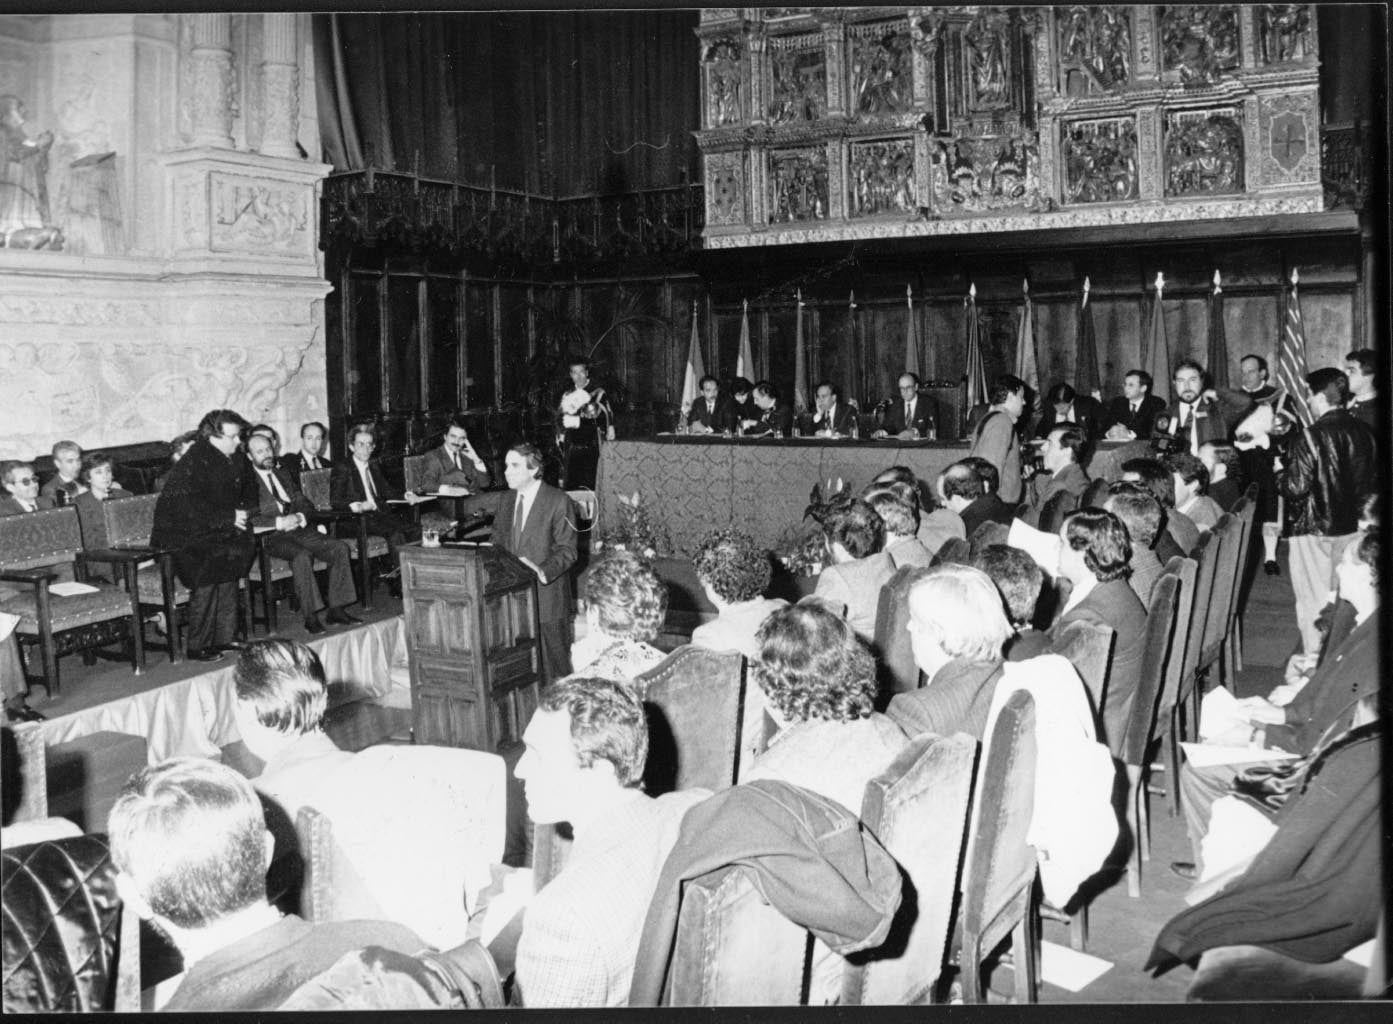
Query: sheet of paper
point(404, 501)
point(1069, 969)
point(71, 588)
point(1041, 546)
point(1221, 712)
point(1207, 755)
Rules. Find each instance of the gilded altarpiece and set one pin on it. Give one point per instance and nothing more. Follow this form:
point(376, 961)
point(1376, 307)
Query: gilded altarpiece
point(823, 124)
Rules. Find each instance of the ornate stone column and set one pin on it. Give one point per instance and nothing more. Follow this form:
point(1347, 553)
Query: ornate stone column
point(211, 59)
point(280, 86)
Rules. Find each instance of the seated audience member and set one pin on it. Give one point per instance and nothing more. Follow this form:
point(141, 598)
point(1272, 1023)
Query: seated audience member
point(1019, 580)
point(67, 460)
point(585, 751)
point(936, 525)
point(189, 841)
point(419, 868)
point(270, 433)
point(1133, 413)
point(898, 508)
point(1140, 513)
point(995, 437)
point(712, 412)
point(625, 607)
point(831, 416)
point(21, 489)
point(98, 485)
point(911, 415)
point(734, 574)
point(313, 438)
point(1191, 483)
point(1179, 536)
point(1064, 453)
point(1347, 674)
point(859, 567)
point(1064, 405)
point(178, 447)
point(746, 412)
point(775, 418)
point(969, 487)
point(1093, 558)
point(455, 464)
point(819, 687)
point(1224, 463)
point(358, 485)
point(14, 688)
point(957, 628)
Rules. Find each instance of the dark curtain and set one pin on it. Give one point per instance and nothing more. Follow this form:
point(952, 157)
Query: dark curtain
point(553, 103)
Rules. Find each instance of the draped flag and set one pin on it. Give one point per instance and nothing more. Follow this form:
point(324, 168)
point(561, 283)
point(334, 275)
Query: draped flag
point(911, 335)
point(1218, 337)
point(1291, 358)
point(1027, 363)
point(976, 373)
point(695, 369)
point(1158, 351)
point(1087, 379)
point(800, 364)
point(744, 364)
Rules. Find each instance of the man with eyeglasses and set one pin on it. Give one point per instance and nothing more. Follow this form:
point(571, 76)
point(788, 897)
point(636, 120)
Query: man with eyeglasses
point(202, 516)
point(358, 484)
point(21, 489)
point(912, 415)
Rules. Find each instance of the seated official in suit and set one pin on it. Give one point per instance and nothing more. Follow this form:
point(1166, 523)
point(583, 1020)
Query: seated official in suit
point(1180, 535)
point(98, 485)
point(859, 567)
point(712, 412)
point(957, 628)
point(1064, 405)
point(21, 489)
point(1133, 413)
point(357, 484)
point(910, 416)
point(1019, 579)
point(1093, 558)
point(1142, 516)
point(898, 508)
point(270, 433)
point(742, 401)
point(279, 503)
point(1225, 465)
point(67, 460)
point(832, 417)
point(733, 574)
point(775, 418)
point(1191, 490)
point(625, 605)
point(534, 523)
point(455, 467)
point(313, 438)
point(1064, 453)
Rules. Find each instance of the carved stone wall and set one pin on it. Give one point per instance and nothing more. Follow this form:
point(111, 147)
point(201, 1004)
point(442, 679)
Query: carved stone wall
point(190, 277)
point(954, 120)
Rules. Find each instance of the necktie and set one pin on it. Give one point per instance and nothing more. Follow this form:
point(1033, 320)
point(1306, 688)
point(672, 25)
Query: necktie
point(1135, 407)
point(908, 413)
point(274, 486)
point(517, 524)
point(454, 457)
point(314, 462)
point(367, 484)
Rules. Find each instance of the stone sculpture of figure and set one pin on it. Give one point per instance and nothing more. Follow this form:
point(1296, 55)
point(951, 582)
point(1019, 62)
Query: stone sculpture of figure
point(25, 221)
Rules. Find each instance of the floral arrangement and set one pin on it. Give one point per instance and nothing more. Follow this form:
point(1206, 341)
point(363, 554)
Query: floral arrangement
point(801, 547)
point(636, 529)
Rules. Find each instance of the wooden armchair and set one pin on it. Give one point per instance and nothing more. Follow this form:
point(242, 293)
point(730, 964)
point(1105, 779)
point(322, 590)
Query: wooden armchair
point(315, 484)
point(128, 523)
point(693, 700)
point(34, 549)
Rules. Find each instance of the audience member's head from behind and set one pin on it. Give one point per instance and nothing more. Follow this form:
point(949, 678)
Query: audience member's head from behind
point(986, 472)
point(1018, 578)
point(852, 529)
point(1359, 573)
point(898, 508)
point(1096, 547)
point(190, 843)
point(281, 693)
point(1141, 514)
point(731, 568)
point(181, 444)
point(1329, 390)
point(962, 485)
point(1222, 460)
point(811, 666)
point(1154, 476)
point(625, 599)
point(956, 613)
point(585, 747)
point(1189, 477)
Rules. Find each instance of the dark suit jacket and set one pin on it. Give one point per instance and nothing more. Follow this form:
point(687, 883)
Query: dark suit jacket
point(1069, 480)
point(266, 509)
point(1347, 673)
point(989, 508)
point(1226, 493)
point(777, 419)
point(1115, 604)
point(894, 422)
point(439, 469)
point(1215, 418)
point(194, 515)
point(55, 484)
point(295, 463)
point(841, 419)
point(723, 418)
point(1142, 422)
point(548, 539)
point(10, 507)
point(956, 699)
point(346, 485)
point(1088, 414)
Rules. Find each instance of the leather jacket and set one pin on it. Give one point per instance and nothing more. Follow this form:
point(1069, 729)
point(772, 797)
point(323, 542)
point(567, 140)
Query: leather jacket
point(1331, 470)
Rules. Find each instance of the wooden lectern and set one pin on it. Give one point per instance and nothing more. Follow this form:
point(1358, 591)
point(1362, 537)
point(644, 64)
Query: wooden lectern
point(472, 638)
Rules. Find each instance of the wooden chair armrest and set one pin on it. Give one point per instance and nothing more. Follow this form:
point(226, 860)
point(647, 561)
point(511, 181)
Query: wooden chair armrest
point(116, 556)
point(331, 515)
point(34, 576)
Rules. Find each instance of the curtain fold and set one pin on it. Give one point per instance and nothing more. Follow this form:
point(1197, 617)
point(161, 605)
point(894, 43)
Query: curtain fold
point(557, 103)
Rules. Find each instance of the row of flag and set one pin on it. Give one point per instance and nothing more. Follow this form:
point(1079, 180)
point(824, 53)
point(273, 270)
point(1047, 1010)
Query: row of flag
point(1156, 356)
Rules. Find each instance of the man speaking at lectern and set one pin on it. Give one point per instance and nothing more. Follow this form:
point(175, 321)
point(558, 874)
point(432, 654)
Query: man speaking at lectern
point(534, 524)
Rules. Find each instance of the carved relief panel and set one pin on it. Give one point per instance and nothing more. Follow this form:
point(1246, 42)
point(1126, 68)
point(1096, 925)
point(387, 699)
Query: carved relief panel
point(725, 188)
point(798, 184)
point(978, 175)
point(798, 79)
point(724, 81)
point(1286, 32)
point(1204, 152)
point(1100, 160)
point(1199, 42)
point(1288, 128)
point(880, 72)
point(1094, 45)
point(881, 177)
point(261, 217)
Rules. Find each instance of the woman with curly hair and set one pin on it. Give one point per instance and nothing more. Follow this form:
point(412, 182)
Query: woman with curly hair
point(819, 686)
point(626, 604)
point(733, 573)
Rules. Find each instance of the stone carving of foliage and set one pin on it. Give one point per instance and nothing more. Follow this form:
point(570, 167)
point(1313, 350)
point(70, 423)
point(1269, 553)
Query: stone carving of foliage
point(881, 69)
point(1203, 152)
point(1100, 160)
point(1095, 48)
point(1199, 42)
point(798, 184)
point(882, 177)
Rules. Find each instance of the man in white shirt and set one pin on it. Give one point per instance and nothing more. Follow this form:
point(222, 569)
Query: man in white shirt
point(313, 438)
